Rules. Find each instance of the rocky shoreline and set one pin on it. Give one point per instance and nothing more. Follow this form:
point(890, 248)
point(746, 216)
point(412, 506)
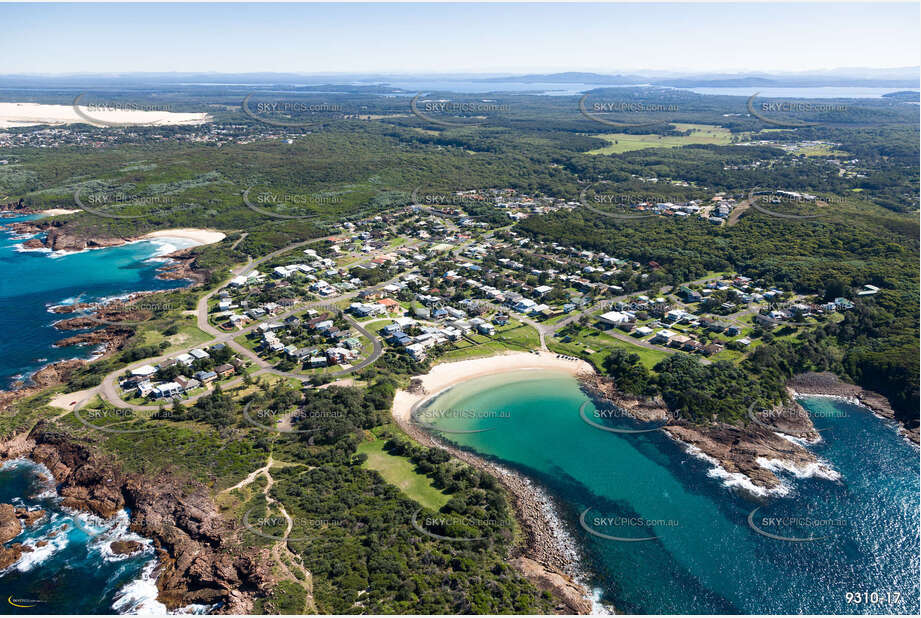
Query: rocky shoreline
point(546, 559)
point(827, 384)
point(12, 522)
point(180, 265)
point(50, 375)
point(199, 561)
point(748, 456)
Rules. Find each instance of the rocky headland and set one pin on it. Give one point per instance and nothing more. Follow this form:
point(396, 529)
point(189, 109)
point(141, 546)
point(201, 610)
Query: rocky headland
point(755, 450)
point(200, 560)
point(829, 385)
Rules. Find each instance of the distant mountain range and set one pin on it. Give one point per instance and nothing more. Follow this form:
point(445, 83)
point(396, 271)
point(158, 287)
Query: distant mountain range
point(896, 78)
point(909, 77)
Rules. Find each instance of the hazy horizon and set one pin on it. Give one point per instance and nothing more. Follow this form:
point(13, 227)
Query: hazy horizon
point(499, 39)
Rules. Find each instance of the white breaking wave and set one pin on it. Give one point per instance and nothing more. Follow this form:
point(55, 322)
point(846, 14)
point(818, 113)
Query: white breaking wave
point(734, 479)
point(799, 441)
point(38, 555)
point(818, 469)
point(599, 608)
point(139, 597)
point(115, 529)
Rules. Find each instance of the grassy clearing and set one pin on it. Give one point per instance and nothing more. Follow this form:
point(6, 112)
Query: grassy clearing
point(401, 472)
point(602, 344)
point(188, 335)
point(700, 134)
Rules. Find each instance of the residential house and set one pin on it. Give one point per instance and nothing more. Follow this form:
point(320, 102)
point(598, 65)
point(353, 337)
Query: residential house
point(205, 376)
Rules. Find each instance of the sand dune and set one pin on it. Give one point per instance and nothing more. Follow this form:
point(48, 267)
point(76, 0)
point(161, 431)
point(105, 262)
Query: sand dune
point(203, 237)
point(27, 114)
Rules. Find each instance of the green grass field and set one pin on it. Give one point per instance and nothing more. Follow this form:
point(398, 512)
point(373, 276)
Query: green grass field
point(188, 335)
point(701, 134)
point(400, 472)
point(602, 344)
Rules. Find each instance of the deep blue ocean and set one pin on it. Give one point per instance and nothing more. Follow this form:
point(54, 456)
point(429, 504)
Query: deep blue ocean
point(71, 569)
point(845, 541)
point(33, 281)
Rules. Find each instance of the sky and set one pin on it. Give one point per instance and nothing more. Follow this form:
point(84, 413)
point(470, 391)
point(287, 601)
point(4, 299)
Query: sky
point(446, 38)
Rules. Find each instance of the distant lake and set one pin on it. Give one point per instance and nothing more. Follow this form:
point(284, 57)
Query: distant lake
point(572, 89)
point(825, 92)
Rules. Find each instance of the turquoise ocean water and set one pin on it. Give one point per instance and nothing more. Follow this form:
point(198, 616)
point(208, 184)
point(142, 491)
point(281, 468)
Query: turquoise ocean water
point(70, 568)
point(34, 281)
point(857, 533)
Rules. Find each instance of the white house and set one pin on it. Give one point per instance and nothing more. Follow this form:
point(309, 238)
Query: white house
point(614, 317)
point(144, 371)
point(167, 389)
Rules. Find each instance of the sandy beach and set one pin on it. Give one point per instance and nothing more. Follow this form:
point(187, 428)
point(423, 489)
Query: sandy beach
point(548, 559)
point(201, 236)
point(27, 114)
point(446, 375)
point(52, 212)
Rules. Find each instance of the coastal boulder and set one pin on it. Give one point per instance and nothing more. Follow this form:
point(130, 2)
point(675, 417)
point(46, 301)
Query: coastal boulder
point(10, 527)
point(124, 547)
